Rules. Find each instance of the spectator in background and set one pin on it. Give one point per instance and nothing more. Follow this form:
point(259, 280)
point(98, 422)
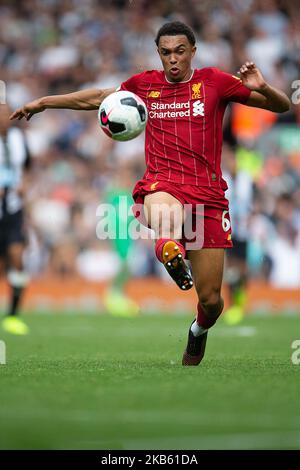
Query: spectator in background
point(284, 251)
point(284, 254)
point(240, 196)
point(14, 163)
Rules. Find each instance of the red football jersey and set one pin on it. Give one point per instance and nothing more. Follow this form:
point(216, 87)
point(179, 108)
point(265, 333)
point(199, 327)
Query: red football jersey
point(184, 130)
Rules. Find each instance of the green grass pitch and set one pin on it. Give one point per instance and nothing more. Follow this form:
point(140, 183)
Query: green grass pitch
point(99, 382)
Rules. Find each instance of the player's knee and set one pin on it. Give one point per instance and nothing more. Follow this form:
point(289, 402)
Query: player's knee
point(211, 300)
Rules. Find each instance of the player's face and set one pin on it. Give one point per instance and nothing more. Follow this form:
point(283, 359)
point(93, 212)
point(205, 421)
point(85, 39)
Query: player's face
point(176, 53)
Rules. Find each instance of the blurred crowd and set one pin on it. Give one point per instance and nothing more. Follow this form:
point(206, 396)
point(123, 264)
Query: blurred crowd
point(59, 46)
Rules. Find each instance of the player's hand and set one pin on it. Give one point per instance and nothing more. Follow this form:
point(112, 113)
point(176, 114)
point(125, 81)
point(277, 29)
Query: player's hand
point(251, 76)
point(28, 110)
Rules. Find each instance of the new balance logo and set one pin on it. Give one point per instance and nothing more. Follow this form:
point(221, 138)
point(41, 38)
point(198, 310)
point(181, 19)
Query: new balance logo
point(154, 94)
point(198, 108)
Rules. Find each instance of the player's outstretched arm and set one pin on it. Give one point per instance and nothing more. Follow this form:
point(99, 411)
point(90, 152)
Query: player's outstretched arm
point(262, 94)
point(81, 100)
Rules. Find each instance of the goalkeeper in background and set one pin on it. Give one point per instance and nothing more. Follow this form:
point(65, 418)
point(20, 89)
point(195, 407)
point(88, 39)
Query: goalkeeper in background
point(116, 300)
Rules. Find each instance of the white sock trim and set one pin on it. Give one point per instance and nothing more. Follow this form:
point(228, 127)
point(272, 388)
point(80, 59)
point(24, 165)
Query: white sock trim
point(17, 278)
point(197, 330)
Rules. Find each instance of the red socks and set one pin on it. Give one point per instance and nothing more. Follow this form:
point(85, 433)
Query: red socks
point(160, 244)
point(203, 320)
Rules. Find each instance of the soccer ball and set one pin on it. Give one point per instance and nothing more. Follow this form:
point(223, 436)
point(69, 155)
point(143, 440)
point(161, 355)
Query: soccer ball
point(122, 115)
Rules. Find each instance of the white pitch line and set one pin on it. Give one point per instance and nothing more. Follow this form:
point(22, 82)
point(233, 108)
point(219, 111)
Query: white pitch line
point(243, 331)
point(227, 441)
point(234, 441)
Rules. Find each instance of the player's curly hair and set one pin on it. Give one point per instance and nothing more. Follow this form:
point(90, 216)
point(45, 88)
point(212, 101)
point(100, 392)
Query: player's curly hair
point(174, 28)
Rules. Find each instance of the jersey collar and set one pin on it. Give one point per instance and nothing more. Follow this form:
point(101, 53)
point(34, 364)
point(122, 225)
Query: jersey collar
point(185, 81)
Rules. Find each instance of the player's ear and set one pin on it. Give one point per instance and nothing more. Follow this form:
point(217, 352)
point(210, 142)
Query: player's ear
point(194, 48)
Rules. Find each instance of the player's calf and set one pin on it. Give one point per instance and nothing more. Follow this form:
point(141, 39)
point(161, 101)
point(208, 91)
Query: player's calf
point(197, 335)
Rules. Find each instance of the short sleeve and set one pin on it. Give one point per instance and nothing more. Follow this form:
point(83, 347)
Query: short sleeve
point(231, 87)
point(132, 83)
